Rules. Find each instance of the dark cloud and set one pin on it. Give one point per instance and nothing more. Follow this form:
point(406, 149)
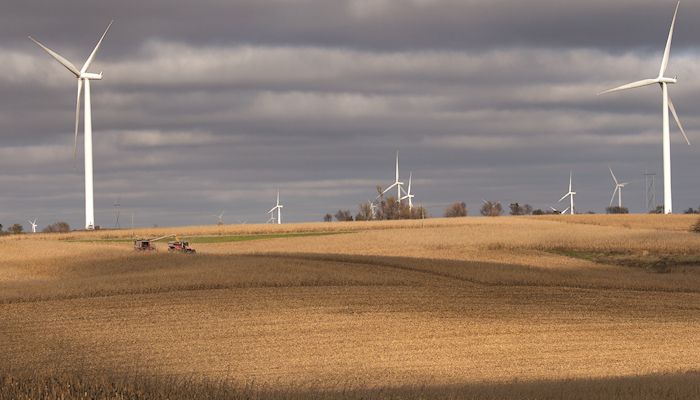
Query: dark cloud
point(212, 105)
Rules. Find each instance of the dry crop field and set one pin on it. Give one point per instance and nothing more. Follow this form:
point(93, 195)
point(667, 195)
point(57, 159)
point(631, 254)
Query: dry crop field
point(508, 307)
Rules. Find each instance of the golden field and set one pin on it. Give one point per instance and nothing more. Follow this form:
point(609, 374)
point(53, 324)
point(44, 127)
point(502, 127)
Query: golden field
point(508, 307)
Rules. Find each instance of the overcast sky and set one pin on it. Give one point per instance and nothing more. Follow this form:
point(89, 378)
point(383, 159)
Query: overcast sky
point(212, 105)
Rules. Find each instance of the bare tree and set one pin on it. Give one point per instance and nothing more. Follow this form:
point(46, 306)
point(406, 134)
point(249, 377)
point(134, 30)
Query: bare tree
point(491, 209)
point(327, 218)
point(365, 212)
point(517, 209)
point(343, 215)
point(57, 227)
point(456, 210)
point(16, 229)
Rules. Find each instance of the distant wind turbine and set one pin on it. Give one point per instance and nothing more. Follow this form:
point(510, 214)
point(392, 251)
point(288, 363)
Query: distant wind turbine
point(667, 105)
point(618, 190)
point(570, 194)
point(397, 183)
point(84, 79)
point(277, 208)
point(220, 218)
point(34, 225)
point(408, 195)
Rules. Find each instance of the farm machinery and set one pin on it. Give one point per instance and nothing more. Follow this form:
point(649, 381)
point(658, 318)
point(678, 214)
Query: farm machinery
point(177, 246)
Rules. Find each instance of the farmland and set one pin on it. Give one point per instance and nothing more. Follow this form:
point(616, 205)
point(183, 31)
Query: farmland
point(551, 307)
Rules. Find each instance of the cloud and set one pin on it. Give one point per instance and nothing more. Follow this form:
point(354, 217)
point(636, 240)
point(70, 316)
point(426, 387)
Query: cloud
point(213, 105)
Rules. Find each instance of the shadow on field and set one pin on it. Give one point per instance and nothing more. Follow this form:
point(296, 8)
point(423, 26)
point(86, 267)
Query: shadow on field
point(77, 386)
point(606, 277)
point(135, 274)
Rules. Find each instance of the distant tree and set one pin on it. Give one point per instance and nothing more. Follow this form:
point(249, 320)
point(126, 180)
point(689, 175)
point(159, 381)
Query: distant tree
point(617, 210)
point(327, 218)
point(456, 210)
point(691, 211)
point(538, 212)
point(517, 209)
point(391, 208)
point(0, 227)
point(420, 212)
point(365, 212)
point(16, 229)
point(657, 210)
point(491, 209)
point(343, 215)
point(57, 227)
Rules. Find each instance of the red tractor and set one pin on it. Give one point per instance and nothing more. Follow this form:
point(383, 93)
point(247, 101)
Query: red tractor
point(180, 247)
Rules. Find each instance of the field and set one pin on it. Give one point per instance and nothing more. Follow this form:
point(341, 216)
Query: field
point(510, 307)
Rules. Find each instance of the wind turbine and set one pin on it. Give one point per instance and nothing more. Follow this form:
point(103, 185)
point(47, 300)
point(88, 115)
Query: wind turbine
point(570, 194)
point(667, 105)
point(397, 182)
point(33, 224)
point(220, 218)
point(84, 77)
point(618, 190)
point(408, 195)
point(277, 207)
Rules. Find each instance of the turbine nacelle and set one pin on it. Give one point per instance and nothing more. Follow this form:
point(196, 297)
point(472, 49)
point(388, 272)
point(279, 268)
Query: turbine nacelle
point(91, 76)
point(662, 79)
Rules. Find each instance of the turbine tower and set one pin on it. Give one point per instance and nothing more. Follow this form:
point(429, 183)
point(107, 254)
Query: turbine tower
point(667, 105)
point(84, 77)
point(618, 190)
point(570, 194)
point(397, 182)
point(278, 208)
point(33, 224)
point(408, 195)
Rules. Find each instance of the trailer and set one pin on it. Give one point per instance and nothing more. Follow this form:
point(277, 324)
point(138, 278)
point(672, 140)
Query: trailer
point(147, 244)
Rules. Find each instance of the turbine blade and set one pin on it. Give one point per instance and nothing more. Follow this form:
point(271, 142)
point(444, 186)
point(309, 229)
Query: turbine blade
point(613, 196)
point(273, 209)
point(571, 178)
point(678, 121)
point(69, 65)
point(92, 55)
point(410, 178)
point(667, 50)
point(563, 197)
point(390, 187)
point(77, 120)
point(565, 210)
point(613, 176)
point(633, 85)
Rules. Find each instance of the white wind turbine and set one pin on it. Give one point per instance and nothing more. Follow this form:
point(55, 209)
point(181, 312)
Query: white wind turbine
point(33, 224)
point(84, 79)
point(277, 207)
point(408, 195)
point(220, 218)
point(667, 104)
point(397, 183)
point(618, 189)
point(570, 194)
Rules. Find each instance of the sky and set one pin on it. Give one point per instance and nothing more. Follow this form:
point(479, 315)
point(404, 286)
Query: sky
point(213, 105)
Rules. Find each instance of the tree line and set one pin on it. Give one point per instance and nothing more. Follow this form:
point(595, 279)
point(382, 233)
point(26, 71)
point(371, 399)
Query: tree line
point(16, 229)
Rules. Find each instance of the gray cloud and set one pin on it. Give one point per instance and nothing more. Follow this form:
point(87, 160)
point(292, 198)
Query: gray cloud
point(214, 105)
